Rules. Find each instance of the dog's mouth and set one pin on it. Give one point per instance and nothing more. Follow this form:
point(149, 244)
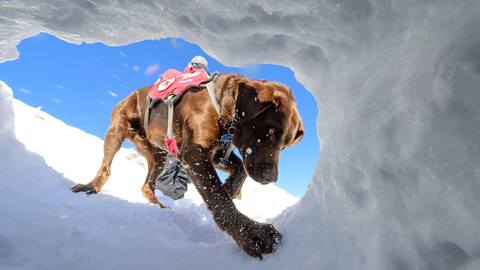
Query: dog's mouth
point(263, 173)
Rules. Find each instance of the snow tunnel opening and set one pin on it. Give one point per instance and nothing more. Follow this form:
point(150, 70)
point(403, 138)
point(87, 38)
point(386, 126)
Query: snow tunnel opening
point(65, 79)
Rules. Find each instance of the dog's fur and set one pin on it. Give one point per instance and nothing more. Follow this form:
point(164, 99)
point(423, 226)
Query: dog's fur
point(267, 120)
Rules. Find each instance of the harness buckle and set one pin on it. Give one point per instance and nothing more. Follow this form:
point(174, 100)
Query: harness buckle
point(226, 140)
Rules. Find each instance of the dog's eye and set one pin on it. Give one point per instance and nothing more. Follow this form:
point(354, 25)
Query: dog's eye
point(272, 131)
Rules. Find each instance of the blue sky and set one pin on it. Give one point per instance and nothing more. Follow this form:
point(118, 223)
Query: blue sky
point(80, 84)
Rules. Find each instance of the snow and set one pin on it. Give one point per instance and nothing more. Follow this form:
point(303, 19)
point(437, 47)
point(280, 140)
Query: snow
point(397, 184)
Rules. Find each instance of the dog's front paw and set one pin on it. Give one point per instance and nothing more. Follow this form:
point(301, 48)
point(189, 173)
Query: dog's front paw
point(88, 189)
point(258, 239)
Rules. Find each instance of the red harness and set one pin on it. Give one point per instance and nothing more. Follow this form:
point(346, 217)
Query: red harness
point(174, 82)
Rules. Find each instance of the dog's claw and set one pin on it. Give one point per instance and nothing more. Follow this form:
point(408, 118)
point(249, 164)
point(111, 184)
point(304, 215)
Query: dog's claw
point(90, 192)
point(88, 189)
point(163, 206)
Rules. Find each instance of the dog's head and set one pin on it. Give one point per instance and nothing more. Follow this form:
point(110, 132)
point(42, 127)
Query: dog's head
point(267, 122)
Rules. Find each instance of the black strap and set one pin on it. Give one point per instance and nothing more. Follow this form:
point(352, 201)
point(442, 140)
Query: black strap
point(150, 104)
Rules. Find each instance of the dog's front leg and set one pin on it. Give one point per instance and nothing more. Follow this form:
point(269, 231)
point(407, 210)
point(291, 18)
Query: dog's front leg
point(234, 167)
point(254, 238)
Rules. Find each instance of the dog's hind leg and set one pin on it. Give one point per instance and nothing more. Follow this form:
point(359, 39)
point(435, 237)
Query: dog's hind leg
point(114, 137)
point(156, 159)
point(237, 172)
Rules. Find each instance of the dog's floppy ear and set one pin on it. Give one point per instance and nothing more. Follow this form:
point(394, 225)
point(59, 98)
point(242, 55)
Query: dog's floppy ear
point(299, 134)
point(278, 97)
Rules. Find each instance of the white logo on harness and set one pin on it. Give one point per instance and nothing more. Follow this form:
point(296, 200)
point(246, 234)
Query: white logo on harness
point(165, 84)
point(190, 75)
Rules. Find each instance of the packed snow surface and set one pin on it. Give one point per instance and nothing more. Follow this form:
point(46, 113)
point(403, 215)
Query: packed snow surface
point(397, 185)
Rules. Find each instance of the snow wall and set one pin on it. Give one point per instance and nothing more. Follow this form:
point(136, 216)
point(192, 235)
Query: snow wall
point(7, 138)
point(397, 184)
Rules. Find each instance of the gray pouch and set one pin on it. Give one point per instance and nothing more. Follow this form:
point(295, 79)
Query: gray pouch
point(173, 181)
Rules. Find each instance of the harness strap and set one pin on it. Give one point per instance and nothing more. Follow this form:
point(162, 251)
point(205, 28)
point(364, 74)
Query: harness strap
point(170, 141)
point(226, 154)
point(229, 146)
point(146, 118)
point(211, 94)
point(169, 102)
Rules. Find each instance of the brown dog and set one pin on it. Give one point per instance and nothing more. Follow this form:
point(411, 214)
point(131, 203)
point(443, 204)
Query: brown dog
point(266, 119)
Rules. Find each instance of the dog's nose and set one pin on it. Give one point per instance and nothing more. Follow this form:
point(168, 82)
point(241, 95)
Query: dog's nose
point(263, 173)
point(269, 176)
